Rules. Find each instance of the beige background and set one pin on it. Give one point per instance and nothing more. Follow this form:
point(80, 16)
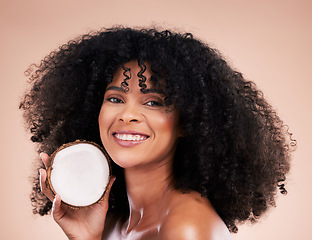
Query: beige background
point(268, 40)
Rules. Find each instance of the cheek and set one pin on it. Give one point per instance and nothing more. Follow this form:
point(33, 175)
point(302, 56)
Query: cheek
point(100, 119)
point(167, 124)
point(104, 119)
point(164, 123)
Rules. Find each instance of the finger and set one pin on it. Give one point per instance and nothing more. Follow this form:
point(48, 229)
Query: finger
point(43, 184)
point(57, 212)
point(105, 199)
point(112, 180)
point(45, 158)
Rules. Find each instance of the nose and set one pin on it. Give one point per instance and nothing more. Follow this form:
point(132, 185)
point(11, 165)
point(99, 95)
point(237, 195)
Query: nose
point(130, 114)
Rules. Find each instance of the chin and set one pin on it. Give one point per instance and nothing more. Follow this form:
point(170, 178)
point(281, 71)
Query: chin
point(124, 160)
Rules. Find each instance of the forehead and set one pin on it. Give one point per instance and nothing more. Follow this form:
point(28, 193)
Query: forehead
point(133, 70)
point(137, 74)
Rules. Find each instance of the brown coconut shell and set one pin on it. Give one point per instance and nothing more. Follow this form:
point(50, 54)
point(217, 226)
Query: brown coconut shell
point(50, 169)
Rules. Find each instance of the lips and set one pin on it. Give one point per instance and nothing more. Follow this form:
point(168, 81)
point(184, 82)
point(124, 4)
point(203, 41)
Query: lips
point(129, 138)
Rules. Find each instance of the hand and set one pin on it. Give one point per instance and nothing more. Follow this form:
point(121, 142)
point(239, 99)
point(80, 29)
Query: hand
point(84, 223)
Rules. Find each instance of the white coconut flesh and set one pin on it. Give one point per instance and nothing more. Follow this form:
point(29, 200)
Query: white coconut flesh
point(80, 174)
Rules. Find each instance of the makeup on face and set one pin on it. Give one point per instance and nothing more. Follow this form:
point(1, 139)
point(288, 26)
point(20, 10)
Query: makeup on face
point(135, 125)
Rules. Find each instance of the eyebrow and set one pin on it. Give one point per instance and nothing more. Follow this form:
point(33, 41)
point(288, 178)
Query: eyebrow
point(116, 89)
point(151, 90)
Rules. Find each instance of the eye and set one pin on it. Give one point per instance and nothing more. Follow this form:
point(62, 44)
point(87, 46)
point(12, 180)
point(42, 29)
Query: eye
point(114, 100)
point(154, 104)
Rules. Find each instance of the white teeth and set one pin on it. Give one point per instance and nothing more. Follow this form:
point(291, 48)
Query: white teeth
point(130, 137)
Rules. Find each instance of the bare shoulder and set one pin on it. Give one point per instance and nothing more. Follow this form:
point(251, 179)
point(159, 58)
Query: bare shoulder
point(191, 216)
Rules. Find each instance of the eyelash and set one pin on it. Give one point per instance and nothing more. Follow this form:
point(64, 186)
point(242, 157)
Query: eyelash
point(155, 103)
point(151, 103)
point(114, 100)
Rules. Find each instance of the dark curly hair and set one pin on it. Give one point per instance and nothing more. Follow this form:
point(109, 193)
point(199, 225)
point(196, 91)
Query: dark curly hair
point(235, 150)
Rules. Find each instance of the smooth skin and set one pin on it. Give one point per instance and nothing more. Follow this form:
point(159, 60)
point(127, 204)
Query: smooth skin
point(157, 209)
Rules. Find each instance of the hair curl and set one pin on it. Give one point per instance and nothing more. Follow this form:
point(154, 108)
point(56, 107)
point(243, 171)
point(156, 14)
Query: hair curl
point(233, 139)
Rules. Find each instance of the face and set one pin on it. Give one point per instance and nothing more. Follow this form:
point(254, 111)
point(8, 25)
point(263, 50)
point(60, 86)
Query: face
point(137, 129)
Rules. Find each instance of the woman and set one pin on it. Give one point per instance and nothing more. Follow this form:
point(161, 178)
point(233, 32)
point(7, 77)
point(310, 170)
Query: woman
point(196, 147)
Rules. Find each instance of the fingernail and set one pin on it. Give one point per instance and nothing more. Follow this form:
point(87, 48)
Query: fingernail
point(53, 208)
point(40, 180)
point(54, 200)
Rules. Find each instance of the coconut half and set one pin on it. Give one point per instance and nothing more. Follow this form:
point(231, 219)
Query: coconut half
point(80, 173)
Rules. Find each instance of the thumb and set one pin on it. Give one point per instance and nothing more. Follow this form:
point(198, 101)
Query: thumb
point(57, 212)
point(104, 202)
point(112, 180)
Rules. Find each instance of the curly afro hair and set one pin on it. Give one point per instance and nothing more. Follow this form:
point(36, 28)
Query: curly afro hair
point(235, 150)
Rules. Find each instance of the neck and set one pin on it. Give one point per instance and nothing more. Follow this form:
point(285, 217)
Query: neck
point(147, 188)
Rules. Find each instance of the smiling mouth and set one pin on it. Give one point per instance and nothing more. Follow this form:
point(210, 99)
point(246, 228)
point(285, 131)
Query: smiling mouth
point(130, 137)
